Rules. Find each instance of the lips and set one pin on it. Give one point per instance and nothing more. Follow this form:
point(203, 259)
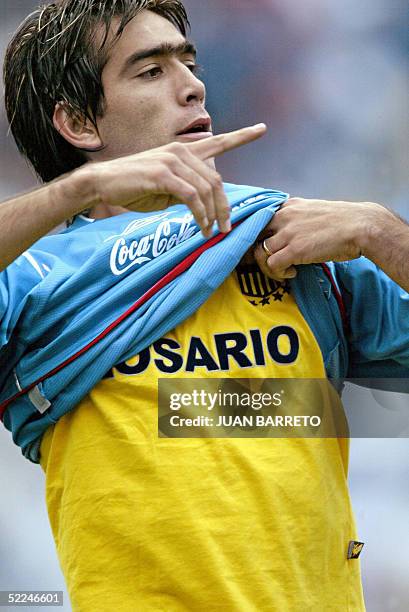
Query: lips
point(200, 125)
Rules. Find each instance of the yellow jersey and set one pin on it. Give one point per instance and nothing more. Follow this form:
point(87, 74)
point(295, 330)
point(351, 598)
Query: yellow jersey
point(144, 523)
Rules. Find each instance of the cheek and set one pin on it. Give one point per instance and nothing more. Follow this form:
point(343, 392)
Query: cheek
point(125, 110)
point(127, 105)
point(132, 124)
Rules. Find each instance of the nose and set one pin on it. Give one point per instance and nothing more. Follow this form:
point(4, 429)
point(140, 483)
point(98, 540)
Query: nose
point(191, 90)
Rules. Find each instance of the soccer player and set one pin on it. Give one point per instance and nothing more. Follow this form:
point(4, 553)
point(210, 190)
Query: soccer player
point(103, 99)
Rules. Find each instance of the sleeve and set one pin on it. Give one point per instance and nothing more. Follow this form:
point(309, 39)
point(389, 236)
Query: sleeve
point(378, 314)
point(16, 283)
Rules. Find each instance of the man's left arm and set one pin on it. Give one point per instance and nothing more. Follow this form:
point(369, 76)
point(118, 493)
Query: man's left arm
point(313, 231)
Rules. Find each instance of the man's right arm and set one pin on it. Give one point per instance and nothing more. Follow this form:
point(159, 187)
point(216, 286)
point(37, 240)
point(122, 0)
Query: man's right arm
point(151, 180)
point(27, 217)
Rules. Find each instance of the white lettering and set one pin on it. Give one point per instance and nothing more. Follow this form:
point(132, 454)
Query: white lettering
point(123, 256)
point(159, 244)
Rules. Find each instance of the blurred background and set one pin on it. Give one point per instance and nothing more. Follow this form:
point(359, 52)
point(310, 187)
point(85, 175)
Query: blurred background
point(330, 79)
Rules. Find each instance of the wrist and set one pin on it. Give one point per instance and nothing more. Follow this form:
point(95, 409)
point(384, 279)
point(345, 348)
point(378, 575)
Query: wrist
point(372, 230)
point(74, 192)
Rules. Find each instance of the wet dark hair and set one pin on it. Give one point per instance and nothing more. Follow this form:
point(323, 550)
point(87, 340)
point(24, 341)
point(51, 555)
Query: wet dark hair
point(54, 57)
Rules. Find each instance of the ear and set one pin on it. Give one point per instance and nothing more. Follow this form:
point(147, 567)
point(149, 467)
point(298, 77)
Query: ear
point(76, 130)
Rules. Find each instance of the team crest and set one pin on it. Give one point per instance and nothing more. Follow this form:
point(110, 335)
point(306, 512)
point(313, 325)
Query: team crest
point(258, 288)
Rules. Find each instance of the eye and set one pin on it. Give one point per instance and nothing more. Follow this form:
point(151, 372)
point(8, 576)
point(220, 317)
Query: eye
point(196, 69)
point(152, 73)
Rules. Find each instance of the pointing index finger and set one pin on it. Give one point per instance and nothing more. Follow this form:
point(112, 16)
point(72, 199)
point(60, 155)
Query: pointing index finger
point(217, 145)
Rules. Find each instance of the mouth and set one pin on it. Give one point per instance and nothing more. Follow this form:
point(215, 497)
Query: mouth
point(200, 127)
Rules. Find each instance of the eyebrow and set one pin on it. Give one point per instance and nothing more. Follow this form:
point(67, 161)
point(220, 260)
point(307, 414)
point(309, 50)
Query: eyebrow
point(163, 50)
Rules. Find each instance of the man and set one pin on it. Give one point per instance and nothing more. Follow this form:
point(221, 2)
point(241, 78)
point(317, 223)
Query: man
point(149, 523)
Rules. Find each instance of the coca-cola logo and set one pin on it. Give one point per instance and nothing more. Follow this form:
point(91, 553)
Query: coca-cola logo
point(168, 232)
point(126, 254)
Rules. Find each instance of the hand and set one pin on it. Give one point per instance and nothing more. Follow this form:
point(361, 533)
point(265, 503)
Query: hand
point(314, 231)
point(177, 172)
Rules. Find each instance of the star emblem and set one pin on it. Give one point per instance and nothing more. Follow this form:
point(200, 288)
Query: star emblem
point(278, 297)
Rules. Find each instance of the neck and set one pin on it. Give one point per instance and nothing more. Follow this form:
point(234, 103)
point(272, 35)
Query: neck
point(103, 211)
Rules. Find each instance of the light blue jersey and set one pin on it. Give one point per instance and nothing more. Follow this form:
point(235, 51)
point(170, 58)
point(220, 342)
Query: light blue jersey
point(77, 303)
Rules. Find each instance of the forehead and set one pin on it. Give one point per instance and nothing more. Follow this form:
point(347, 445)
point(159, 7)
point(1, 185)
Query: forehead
point(146, 30)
